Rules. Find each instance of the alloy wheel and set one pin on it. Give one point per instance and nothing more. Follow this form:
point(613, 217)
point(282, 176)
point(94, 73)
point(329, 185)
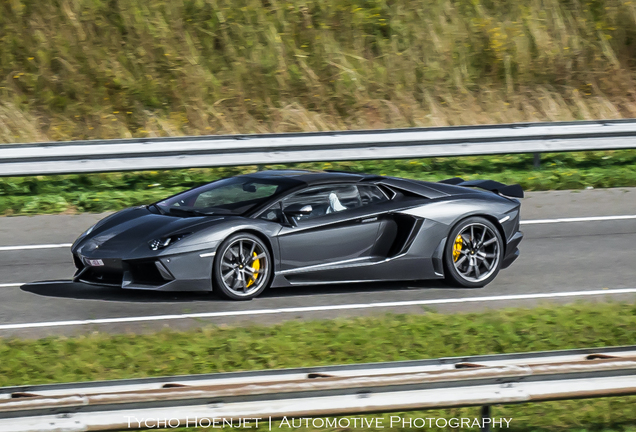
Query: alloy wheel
point(244, 267)
point(476, 252)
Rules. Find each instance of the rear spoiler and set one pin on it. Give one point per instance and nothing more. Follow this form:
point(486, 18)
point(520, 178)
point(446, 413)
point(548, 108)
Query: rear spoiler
point(514, 190)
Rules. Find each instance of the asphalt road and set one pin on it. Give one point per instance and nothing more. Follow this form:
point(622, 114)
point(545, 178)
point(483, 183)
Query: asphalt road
point(561, 261)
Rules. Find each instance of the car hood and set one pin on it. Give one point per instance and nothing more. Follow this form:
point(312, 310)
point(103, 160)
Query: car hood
point(131, 229)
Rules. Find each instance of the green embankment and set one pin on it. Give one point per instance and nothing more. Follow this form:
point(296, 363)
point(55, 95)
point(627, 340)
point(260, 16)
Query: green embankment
point(79, 69)
point(106, 192)
point(370, 339)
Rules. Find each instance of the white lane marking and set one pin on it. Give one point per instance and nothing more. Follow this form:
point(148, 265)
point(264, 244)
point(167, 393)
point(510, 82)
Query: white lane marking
point(577, 219)
point(317, 308)
point(523, 222)
point(42, 246)
point(19, 284)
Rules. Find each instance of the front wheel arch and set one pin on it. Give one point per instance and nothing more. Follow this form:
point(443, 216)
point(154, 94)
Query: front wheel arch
point(265, 239)
point(234, 260)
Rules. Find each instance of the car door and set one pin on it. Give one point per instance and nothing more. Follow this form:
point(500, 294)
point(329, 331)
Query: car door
point(337, 233)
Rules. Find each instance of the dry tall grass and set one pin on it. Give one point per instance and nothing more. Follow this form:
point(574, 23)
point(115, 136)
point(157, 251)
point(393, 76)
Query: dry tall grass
point(81, 69)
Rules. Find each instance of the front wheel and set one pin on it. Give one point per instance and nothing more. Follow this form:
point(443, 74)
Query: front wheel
point(242, 267)
point(473, 254)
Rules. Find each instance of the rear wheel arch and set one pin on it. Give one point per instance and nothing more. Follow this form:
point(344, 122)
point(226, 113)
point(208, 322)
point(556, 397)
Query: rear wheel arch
point(451, 275)
point(490, 218)
point(499, 227)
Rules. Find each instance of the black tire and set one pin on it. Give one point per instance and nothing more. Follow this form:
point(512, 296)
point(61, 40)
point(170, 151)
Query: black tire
point(475, 265)
point(231, 275)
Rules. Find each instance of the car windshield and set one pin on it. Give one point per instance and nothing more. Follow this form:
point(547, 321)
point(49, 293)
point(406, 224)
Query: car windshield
point(231, 196)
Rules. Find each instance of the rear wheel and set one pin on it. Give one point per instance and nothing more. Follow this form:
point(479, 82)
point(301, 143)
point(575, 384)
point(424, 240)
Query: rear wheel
point(242, 267)
point(473, 254)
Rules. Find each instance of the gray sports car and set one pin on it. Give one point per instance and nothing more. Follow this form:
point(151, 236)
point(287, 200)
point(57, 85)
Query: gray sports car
point(241, 235)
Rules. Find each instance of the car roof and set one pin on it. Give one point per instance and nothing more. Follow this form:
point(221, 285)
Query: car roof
point(313, 177)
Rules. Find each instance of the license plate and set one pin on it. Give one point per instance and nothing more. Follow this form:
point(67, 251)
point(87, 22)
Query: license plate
point(94, 263)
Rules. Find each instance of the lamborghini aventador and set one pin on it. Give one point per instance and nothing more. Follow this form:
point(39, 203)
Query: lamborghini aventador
point(241, 235)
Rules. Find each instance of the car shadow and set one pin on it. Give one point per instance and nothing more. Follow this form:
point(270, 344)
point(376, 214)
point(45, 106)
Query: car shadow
point(81, 291)
point(362, 287)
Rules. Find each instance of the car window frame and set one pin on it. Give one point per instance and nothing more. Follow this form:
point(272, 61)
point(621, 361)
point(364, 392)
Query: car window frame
point(291, 189)
point(279, 201)
point(382, 192)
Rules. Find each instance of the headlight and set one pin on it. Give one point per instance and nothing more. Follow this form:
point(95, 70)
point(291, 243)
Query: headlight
point(164, 242)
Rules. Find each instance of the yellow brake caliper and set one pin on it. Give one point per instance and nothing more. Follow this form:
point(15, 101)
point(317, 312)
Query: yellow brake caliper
point(457, 247)
point(256, 265)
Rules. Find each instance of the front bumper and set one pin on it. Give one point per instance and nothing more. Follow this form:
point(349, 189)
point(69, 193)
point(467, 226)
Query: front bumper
point(185, 272)
point(512, 249)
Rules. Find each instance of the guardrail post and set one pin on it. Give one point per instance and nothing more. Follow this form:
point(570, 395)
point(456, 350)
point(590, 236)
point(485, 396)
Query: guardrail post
point(537, 160)
point(485, 414)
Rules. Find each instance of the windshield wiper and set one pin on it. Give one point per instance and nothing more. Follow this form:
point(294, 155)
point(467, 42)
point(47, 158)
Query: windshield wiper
point(186, 212)
point(209, 211)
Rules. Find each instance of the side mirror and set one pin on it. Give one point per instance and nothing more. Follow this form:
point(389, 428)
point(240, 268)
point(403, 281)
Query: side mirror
point(296, 210)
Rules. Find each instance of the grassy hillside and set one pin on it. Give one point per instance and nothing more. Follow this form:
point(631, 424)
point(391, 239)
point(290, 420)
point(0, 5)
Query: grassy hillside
point(74, 69)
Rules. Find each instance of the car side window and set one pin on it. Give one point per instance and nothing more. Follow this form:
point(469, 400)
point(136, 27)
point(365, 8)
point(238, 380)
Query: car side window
point(326, 200)
point(273, 214)
point(323, 200)
point(370, 194)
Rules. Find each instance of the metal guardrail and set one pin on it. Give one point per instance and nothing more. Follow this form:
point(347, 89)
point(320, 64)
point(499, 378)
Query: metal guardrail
point(227, 150)
point(320, 392)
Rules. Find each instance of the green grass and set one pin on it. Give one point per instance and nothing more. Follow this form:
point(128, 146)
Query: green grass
point(343, 341)
point(72, 69)
point(107, 192)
